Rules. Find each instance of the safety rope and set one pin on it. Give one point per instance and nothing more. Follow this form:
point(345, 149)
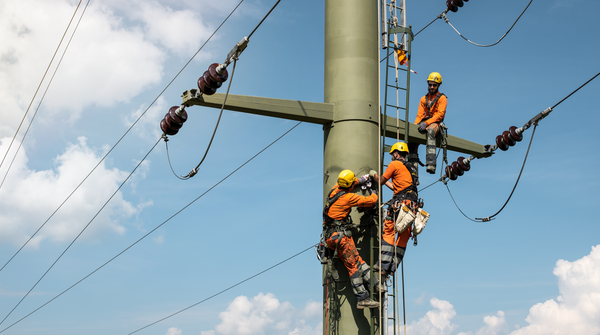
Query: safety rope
point(155, 228)
point(488, 45)
point(403, 297)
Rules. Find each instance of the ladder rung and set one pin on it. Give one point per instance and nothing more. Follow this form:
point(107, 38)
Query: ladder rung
point(396, 87)
point(394, 67)
point(395, 107)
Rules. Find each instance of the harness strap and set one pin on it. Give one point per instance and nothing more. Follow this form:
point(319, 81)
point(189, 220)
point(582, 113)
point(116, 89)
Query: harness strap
point(431, 103)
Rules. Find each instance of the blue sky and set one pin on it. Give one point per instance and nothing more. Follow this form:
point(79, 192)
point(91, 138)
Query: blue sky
point(535, 269)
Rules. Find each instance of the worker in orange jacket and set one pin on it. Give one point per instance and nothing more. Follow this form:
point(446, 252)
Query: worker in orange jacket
point(401, 177)
point(336, 223)
point(432, 110)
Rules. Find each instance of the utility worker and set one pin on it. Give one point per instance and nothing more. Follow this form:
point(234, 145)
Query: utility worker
point(401, 177)
point(432, 110)
point(337, 224)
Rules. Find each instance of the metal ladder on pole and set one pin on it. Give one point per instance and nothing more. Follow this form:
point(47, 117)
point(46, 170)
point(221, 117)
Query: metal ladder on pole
point(396, 36)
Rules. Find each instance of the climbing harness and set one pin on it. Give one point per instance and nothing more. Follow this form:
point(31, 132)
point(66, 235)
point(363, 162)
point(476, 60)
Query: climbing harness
point(430, 103)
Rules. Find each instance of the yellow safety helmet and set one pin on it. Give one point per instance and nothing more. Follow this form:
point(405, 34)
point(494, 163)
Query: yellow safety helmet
point(346, 179)
point(435, 76)
point(400, 146)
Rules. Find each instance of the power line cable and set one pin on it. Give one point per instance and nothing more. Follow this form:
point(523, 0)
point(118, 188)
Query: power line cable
point(568, 96)
point(534, 121)
point(225, 290)
point(516, 183)
point(195, 170)
point(41, 81)
point(150, 232)
point(438, 17)
point(43, 96)
point(264, 18)
point(234, 54)
point(81, 232)
point(123, 136)
point(488, 45)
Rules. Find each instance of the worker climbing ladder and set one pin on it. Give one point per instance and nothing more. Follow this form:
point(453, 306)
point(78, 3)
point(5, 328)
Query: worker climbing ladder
point(396, 46)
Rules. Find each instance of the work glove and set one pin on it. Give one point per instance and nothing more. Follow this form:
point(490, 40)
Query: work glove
point(373, 191)
point(372, 173)
point(422, 127)
point(363, 179)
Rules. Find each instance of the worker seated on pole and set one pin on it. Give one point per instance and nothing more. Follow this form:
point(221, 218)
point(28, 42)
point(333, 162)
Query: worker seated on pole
point(432, 110)
point(337, 224)
point(401, 177)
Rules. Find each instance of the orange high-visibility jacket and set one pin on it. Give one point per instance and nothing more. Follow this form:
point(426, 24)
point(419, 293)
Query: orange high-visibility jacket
point(341, 208)
point(399, 174)
point(437, 111)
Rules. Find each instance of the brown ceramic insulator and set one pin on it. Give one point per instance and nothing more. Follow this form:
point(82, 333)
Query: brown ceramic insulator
point(501, 145)
point(166, 129)
point(513, 133)
point(212, 70)
point(204, 88)
point(456, 169)
point(462, 165)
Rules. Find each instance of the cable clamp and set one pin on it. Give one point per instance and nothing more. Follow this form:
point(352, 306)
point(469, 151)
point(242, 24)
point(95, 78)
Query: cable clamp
point(234, 54)
point(164, 137)
point(191, 174)
point(488, 148)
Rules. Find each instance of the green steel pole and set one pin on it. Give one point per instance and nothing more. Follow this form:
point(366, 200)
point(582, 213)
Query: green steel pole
point(351, 140)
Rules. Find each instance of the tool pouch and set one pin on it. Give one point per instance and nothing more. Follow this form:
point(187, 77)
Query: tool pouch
point(420, 221)
point(404, 219)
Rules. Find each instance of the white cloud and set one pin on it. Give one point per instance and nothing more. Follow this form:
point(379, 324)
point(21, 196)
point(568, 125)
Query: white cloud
point(577, 309)
point(29, 197)
point(179, 30)
point(264, 314)
point(173, 331)
point(107, 61)
point(494, 324)
point(148, 127)
point(436, 321)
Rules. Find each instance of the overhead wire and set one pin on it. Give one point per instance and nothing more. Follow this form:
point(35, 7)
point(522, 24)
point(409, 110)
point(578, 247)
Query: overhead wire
point(194, 171)
point(534, 121)
point(81, 232)
point(41, 81)
point(125, 134)
point(160, 225)
point(225, 290)
point(488, 45)
point(264, 18)
point(44, 95)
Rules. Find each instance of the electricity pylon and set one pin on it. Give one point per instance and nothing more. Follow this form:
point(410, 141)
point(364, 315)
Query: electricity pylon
point(349, 115)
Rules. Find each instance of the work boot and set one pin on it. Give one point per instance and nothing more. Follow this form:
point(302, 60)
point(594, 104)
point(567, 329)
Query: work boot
point(431, 168)
point(367, 303)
